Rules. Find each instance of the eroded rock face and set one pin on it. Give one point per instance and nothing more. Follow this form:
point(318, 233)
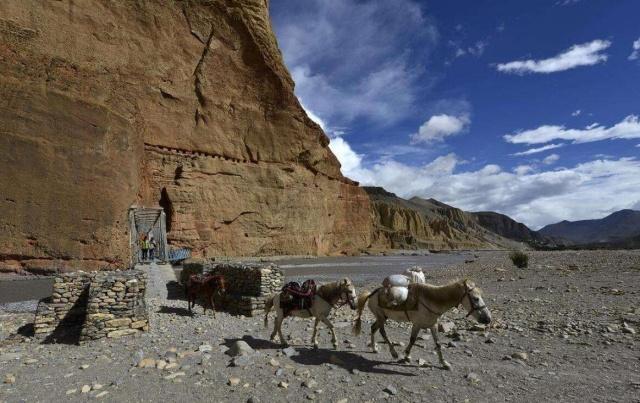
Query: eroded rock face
point(186, 104)
point(425, 224)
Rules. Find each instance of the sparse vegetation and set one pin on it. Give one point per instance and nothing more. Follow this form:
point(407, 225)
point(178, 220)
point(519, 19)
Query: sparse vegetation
point(519, 259)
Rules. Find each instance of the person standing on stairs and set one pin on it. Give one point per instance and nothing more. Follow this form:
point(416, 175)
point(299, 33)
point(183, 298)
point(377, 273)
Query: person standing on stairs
point(151, 248)
point(144, 247)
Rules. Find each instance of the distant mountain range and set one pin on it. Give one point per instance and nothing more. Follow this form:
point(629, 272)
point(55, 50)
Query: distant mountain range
point(507, 227)
point(619, 228)
point(431, 224)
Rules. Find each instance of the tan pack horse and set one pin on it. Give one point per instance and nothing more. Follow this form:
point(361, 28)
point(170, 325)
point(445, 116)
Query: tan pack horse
point(433, 302)
point(328, 296)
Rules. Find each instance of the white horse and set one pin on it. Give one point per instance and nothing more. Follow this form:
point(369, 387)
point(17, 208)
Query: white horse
point(327, 297)
point(432, 302)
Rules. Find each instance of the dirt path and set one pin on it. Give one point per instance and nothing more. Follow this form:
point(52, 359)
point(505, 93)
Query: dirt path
point(564, 329)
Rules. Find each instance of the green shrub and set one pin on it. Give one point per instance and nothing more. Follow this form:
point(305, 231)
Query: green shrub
point(519, 259)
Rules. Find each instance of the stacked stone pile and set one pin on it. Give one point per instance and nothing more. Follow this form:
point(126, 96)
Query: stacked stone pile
point(94, 305)
point(247, 284)
point(116, 306)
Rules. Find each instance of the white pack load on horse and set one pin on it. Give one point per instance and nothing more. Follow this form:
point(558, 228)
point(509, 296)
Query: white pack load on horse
point(416, 275)
point(396, 288)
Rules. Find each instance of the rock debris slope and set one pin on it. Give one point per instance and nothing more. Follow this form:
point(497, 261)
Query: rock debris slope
point(183, 104)
point(426, 224)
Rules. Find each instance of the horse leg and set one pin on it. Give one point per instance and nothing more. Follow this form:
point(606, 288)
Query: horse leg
point(282, 340)
point(334, 339)
point(434, 333)
point(213, 307)
point(414, 336)
point(203, 297)
point(275, 326)
point(374, 329)
point(392, 349)
point(314, 338)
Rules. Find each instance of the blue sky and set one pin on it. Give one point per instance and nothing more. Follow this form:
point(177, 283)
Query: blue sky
point(528, 108)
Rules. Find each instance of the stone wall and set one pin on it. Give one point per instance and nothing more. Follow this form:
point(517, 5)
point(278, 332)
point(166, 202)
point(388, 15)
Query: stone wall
point(89, 306)
point(247, 285)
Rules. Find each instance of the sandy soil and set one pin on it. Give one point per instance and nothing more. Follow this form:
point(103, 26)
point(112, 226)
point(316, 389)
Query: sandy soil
point(570, 319)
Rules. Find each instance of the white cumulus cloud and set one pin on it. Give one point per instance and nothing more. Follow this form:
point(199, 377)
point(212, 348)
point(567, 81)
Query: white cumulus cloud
point(529, 194)
point(551, 159)
point(440, 126)
point(628, 128)
point(586, 54)
point(636, 50)
point(350, 161)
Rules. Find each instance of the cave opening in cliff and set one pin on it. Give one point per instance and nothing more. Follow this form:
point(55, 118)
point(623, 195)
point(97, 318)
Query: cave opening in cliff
point(167, 206)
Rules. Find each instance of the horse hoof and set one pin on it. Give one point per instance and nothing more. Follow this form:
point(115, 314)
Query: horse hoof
point(315, 346)
point(394, 355)
point(446, 366)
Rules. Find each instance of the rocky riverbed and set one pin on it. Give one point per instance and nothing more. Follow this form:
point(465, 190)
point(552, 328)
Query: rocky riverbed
point(564, 329)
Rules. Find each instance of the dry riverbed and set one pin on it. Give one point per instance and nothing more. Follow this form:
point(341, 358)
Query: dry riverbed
point(565, 329)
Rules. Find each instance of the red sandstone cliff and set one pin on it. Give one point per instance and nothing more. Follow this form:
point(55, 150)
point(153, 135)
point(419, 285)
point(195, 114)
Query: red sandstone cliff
point(108, 104)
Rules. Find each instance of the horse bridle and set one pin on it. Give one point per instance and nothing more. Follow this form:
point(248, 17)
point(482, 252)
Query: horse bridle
point(474, 307)
point(343, 301)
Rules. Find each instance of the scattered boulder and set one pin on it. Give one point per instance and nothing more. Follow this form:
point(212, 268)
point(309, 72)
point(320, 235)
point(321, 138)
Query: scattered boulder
point(174, 375)
point(233, 381)
point(9, 379)
point(446, 326)
point(391, 390)
point(239, 348)
point(274, 363)
point(520, 356)
point(473, 377)
point(146, 363)
point(310, 383)
point(206, 348)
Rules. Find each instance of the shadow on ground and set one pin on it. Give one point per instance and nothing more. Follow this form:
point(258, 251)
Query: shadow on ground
point(175, 291)
point(69, 329)
point(347, 360)
point(174, 310)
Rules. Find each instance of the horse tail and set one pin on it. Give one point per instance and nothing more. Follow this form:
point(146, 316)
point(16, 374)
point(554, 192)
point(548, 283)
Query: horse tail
point(362, 301)
point(268, 304)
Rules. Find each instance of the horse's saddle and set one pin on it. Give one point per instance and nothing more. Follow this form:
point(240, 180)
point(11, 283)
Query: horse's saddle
point(387, 301)
point(295, 296)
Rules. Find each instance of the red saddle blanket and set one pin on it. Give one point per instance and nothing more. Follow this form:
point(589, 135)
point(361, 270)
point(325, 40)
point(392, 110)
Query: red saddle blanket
point(296, 297)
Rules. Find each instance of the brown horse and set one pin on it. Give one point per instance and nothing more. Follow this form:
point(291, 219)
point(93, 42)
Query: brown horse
point(205, 286)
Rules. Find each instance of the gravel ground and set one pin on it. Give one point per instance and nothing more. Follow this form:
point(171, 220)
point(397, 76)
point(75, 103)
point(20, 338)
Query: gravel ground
point(565, 329)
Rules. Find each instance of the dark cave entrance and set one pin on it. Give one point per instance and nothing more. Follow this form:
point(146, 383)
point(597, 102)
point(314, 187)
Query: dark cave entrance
point(167, 206)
